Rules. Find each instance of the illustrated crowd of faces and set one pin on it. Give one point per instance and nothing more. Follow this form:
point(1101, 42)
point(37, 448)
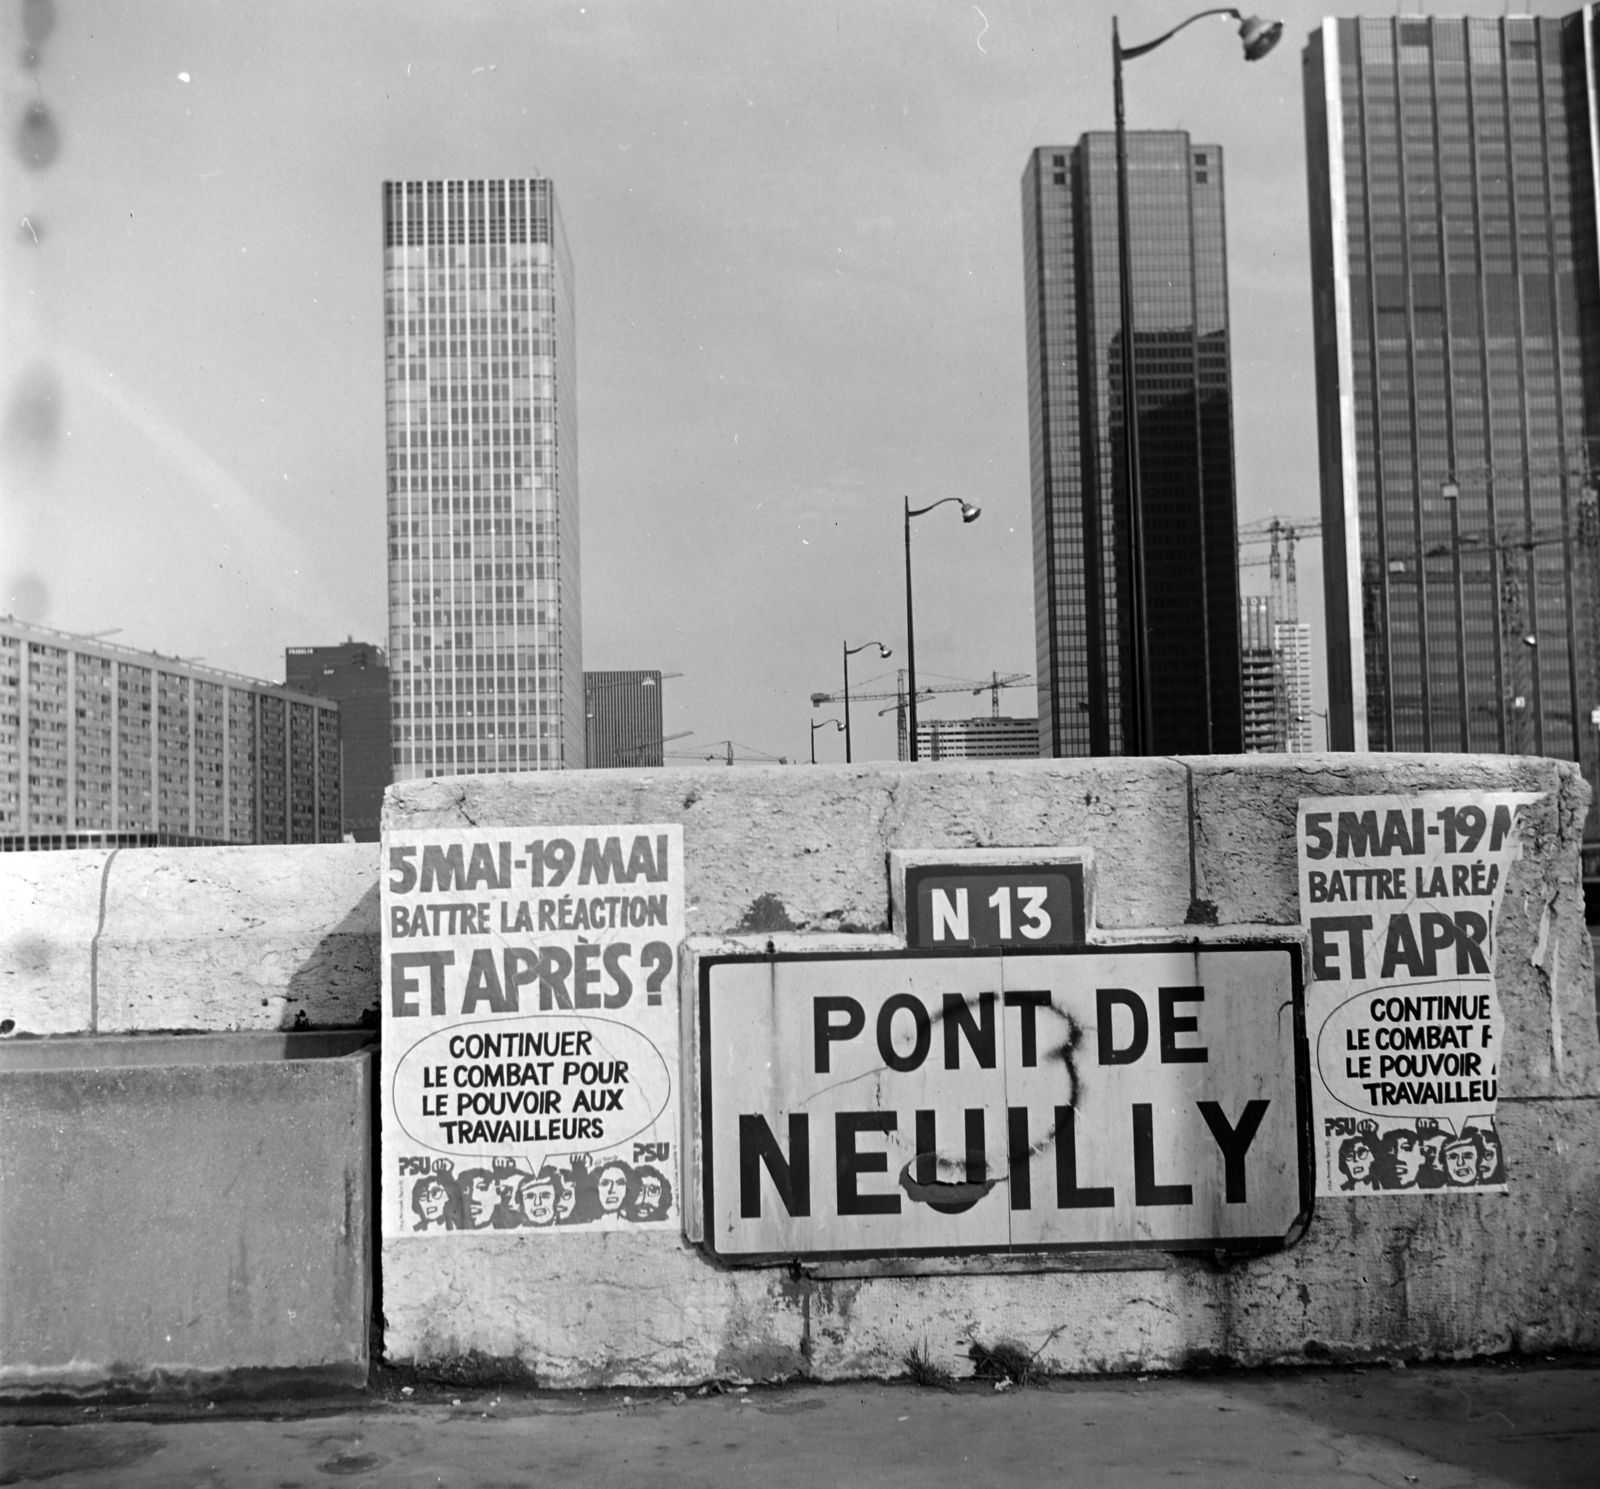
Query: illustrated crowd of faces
point(1425, 1155)
point(608, 1194)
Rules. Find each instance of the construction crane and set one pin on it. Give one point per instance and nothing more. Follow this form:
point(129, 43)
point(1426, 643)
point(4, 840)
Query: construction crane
point(927, 690)
point(717, 748)
point(1273, 531)
point(992, 687)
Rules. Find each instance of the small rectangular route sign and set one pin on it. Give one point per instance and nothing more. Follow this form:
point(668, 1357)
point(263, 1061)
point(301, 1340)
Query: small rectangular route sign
point(875, 1104)
point(1010, 907)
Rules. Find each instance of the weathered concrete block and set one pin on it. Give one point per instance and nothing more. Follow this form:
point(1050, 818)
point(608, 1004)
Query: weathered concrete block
point(773, 850)
point(47, 940)
point(184, 1213)
point(189, 938)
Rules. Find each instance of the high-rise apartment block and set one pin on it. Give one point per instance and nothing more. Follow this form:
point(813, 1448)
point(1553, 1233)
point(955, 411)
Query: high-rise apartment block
point(623, 716)
point(1457, 333)
point(1083, 616)
point(103, 746)
point(485, 641)
point(356, 676)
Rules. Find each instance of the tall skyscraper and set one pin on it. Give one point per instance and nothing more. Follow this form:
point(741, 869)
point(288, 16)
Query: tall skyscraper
point(1457, 326)
point(102, 746)
point(485, 641)
point(1082, 616)
point(356, 676)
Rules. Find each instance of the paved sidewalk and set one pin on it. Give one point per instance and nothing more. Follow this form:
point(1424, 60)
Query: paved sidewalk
point(1430, 1426)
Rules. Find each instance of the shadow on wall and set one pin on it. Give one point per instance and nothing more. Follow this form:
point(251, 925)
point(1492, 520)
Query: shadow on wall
point(336, 987)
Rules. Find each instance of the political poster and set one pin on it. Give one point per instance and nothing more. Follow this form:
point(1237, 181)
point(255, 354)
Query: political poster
point(915, 1103)
point(1401, 897)
point(530, 1029)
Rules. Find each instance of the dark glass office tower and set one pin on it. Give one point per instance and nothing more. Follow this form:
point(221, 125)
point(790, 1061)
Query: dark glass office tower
point(1457, 320)
point(356, 676)
point(1082, 616)
point(623, 720)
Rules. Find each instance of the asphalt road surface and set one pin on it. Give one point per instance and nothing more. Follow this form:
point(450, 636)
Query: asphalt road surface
point(1432, 1426)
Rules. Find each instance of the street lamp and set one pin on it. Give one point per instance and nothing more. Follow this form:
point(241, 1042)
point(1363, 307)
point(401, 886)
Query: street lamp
point(850, 651)
point(969, 513)
point(1258, 37)
point(821, 724)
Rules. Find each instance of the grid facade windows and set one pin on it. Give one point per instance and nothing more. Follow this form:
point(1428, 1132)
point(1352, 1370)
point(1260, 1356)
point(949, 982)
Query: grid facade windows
point(483, 476)
point(102, 746)
point(1457, 326)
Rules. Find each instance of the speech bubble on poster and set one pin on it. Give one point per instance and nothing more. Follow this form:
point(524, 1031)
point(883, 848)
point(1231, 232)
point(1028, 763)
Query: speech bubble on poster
point(524, 1086)
point(1429, 1049)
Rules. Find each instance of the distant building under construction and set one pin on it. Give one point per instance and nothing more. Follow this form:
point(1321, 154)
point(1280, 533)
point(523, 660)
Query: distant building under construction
point(977, 739)
point(1275, 658)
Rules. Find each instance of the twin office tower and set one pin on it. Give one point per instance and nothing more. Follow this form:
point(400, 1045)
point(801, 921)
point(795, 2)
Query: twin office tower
point(1453, 168)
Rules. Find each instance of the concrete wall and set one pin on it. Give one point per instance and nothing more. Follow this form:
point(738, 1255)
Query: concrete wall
point(184, 1213)
point(805, 850)
point(134, 940)
point(252, 938)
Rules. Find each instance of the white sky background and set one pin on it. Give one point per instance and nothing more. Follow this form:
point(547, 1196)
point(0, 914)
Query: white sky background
point(797, 238)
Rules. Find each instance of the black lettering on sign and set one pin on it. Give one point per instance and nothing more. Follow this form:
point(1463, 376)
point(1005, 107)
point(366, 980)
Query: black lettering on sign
point(922, 1038)
point(1234, 1142)
point(1172, 1026)
point(1319, 841)
point(1019, 1155)
point(827, 1032)
point(1029, 1001)
point(1145, 1189)
point(790, 1176)
point(483, 985)
point(401, 964)
point(405, 872)
point(1105, 1000)
point(1325, 950)
point(958, 1020)
point(1068, 1195)
point(555, 962)
point(850, 1163)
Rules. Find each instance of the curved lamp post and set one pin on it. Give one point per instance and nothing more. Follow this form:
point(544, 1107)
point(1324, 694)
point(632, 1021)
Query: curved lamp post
point(969, 513)
point(821, 724)
point(850, 651)
point(1258, 38)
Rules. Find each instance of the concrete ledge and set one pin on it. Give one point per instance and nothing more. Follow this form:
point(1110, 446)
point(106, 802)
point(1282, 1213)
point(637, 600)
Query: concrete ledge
point(189, 938)
point(179, 1214)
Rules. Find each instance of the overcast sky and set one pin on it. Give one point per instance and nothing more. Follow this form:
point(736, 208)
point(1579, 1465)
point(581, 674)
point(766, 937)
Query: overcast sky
point(797, 238)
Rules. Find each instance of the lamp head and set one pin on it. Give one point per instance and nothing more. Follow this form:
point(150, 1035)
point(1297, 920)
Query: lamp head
point(884, 651)
point(970, 513)
point(1259, 37)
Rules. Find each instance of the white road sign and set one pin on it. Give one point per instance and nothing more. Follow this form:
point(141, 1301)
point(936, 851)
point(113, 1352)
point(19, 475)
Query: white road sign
point(908, 1102)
